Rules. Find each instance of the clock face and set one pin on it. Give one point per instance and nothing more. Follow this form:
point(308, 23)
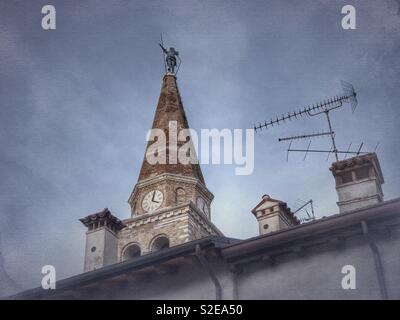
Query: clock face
point(152, 200)
point(201, 204)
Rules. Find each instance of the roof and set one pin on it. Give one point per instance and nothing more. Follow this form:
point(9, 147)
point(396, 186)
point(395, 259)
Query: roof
point(264, 199)
point(233, 250)
point(127, 266)
point(334, 224)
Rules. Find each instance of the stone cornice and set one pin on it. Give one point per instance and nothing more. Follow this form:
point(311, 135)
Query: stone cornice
point(366, 159)
point(104, 216)
point(188, 208)
point(169, 176)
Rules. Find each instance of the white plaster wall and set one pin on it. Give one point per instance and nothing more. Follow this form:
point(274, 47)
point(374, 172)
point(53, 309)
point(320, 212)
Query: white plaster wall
point(361, 189)
point(106, 249)
point(317, 275)
point(111, 248)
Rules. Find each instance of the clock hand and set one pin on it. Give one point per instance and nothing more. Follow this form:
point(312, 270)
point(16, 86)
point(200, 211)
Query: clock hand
point(152, 199)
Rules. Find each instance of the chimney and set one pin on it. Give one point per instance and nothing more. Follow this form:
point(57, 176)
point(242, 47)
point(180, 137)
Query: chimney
point(358, 181)
point(273, 215)
point(101, 239)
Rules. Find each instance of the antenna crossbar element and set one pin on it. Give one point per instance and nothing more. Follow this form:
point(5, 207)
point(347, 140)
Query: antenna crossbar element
point(329, 153)
point(308, 148)
point(305, 136)
point(325, 151)
point(359, 149)
point(349, 96)
point(297, 210)
point(348, 149)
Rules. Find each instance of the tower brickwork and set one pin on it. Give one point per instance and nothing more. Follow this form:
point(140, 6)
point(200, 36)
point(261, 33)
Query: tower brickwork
point(170, 203)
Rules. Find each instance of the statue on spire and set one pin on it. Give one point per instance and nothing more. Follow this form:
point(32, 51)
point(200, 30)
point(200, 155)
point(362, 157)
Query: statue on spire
point(170, 58)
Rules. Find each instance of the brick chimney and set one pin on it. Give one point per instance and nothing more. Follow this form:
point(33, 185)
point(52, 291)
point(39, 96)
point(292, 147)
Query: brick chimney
point(358, 181)
point(273, 215)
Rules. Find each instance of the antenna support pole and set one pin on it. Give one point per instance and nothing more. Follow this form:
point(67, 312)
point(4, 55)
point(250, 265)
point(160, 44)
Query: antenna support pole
point(332, 135)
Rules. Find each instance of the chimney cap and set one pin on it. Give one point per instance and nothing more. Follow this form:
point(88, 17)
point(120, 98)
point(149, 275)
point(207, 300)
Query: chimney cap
point(104, 215)
point(369, 158)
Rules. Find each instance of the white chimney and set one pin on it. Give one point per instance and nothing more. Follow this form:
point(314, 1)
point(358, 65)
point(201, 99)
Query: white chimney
point(273, 215)
point(358, 181)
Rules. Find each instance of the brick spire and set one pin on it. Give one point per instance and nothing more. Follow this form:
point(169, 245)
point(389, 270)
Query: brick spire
point(169, 108)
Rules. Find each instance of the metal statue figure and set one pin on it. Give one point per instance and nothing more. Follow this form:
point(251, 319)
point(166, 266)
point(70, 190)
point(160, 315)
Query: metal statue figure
point(170, 59)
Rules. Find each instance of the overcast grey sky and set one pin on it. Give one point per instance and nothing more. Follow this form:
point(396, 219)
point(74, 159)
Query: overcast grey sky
point(76, 103)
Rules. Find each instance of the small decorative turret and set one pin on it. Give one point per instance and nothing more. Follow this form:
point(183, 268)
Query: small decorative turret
point(273, 215)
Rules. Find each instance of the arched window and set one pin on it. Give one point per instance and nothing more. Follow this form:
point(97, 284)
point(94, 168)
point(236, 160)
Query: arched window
point(180, 195)
point(130, 252)
point(160, 243)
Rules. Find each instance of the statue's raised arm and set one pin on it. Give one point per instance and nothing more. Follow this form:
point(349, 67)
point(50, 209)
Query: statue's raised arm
point(163, 49)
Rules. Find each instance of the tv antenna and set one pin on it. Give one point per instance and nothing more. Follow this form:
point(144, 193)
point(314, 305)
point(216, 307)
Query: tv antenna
point(325, 107)
point(310, 215)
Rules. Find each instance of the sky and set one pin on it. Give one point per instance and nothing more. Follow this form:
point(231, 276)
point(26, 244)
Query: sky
point(76, 104)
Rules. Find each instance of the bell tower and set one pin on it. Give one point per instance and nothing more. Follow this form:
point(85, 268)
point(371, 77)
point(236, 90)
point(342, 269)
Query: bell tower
point(162, 185)
point(170, 203)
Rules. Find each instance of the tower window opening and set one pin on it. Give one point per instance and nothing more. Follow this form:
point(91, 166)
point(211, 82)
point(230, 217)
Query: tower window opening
point(160, 243)
point(131, 252)
point(347, 177)
point(362, 173)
